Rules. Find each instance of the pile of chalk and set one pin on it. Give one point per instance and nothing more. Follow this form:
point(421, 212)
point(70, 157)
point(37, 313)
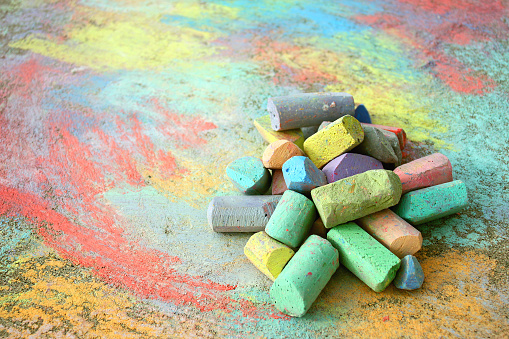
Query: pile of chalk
point(341, 195)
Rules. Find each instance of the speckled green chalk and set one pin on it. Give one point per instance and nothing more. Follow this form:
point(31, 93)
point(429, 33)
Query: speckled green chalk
point(356, 196)
point(305, 276)
point(249, 175)
point(432, 203)
point(365, 257)
point(292, 219)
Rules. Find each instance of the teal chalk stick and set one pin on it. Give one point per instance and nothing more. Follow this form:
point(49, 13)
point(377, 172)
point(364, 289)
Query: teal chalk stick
point(432, 203)
point(249, 175)
point(292, 219)
point(364, 256)
point(305, 276)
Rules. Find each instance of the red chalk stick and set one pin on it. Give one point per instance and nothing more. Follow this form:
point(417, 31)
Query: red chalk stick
point(278, 182)
point(400, 133)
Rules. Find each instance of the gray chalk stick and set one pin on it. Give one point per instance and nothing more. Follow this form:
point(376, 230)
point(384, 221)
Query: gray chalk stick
point(376, 145)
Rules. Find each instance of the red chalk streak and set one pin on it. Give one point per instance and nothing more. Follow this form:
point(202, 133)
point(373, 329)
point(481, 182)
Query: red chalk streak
point(473, 7)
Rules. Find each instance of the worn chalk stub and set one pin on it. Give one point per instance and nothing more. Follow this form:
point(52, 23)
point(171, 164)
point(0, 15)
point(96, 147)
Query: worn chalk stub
point(362, 114)
point(410, 275)
point(308, 109)
point(400, 133)
point(335, 139)
point(305, 276)
point(393, 232)
point(356, 196)
point(268, 255)
point(292, 219)
point(427, 204)
point(278, 152)
point(431, 170)
point(394, 142)
point(249, 175)
point(365, 257)
point(376, 145)
point(244, 213)
point(264, 127)
point(278, 182)
point(301, 175)
point(349, 164)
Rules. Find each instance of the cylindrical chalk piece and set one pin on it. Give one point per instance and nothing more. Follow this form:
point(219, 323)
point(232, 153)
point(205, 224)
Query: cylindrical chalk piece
point(376, 145)
point(393, 232)
point(278, 152)
point(308, 109)
point(410, 275)
point(365, 257)
point(318, 228)
point(302, 175)
point(427, 204)
point(292, 219)
point(305, 276)
point(356, 196)
point(249, 175)
point(264, 127)
point(245, 213)
point(278, 182)
point(434, 169)
point(349, 164)
point(268, 255)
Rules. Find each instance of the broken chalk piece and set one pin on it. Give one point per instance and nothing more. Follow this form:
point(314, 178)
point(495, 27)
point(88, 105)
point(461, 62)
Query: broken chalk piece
point(335, 139)
point(400, 133)
point(393, 140)
point(323, 125)
point(305, 276)
point(393, 232)
point(376, 145)
point(318, 228)
point(356, 196)
point(301, 175)
point(362, 114)
point(268, 255)
point(308, 109)
point(245, 213)
point(249, 175)
point(278, 182)
point(292, 219)
point(431, 170)
point(410, 275)
point(432, 203)
point(278, 152)
point(263, 126)
point(349, 164)
point(365, 257)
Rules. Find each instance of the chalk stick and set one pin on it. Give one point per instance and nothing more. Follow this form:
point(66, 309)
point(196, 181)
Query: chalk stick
point(308, 109)
point(278, 152)
point(431, 170)
point(349, 164)
point(301, 175)
point(268, 255)
point(318, 228)
point(245, 213)
point(264, 127)
point(400, 133)
point(278, 182)
point(376, 145)
point(427, 204)
point(337, 138)
point(323, 125)
point(410, 275)
point(362, 114)
point(394, 142)
point(356, 196)
point(309, 131)
point(249, 175)
point(292, 219)
point(365, 257)
point(393, 232)
point(305, 276)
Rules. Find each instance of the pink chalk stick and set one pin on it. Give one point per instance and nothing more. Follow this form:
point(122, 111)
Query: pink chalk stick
point(393, 232)
point(400, 133)
point(432, 170)
point(278, 182)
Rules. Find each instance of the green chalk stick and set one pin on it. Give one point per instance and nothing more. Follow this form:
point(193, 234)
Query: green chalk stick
point(249, 175)
point(365, 257)
point(432, 203)
point(291, 220)
point(305, 276)
point(356, 196)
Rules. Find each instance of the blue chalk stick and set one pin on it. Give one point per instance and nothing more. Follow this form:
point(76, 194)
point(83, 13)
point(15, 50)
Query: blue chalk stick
point(410, 275)
point(301, 175)
point(362, 114)
point(249, 175)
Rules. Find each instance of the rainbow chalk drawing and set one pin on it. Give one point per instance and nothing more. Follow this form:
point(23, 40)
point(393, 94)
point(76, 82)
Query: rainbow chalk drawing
point(119, 118)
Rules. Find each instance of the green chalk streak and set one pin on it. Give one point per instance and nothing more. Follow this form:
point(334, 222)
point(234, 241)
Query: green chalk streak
point(432, 203)
point(304, 277)
point(365, 257)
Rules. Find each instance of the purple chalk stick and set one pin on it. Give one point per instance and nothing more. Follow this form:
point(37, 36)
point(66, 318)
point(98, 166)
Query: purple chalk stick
point(349, 164)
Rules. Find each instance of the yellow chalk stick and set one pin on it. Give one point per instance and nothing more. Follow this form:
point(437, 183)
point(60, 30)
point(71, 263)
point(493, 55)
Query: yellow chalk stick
point(264, 127)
